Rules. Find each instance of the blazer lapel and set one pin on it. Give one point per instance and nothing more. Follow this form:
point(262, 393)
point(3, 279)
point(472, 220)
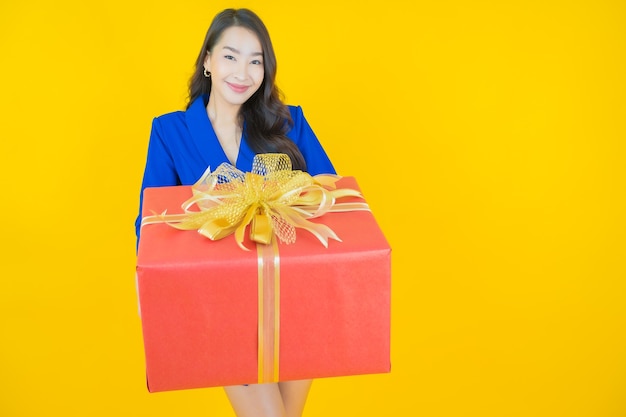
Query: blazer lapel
point(202, 134)
point(205, 140)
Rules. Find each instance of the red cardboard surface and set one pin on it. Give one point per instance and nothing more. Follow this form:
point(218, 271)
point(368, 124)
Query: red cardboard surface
point(198, 301)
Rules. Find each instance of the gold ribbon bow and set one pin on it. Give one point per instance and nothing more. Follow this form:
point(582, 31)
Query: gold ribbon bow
point(272, 199)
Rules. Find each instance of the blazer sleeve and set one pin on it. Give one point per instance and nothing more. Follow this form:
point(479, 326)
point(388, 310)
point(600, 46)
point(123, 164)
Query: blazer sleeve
point(317, 161)
point(160, 170)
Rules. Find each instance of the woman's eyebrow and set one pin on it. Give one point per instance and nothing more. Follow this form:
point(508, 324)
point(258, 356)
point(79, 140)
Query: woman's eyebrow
point(230, 48)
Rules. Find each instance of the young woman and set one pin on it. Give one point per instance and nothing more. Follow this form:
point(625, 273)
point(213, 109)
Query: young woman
point(235, 112)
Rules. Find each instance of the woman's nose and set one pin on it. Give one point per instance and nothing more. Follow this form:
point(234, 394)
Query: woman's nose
point(241, 72)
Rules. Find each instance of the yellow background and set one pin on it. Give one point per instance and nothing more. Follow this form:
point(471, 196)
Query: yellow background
point(488, 137)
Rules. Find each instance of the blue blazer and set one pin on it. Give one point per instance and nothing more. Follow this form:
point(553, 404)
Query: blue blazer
point(183, 144)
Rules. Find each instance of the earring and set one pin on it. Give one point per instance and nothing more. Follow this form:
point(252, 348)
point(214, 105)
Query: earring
point(207, 73)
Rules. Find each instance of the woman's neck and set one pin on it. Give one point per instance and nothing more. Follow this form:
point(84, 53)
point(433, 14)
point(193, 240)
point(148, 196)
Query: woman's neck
point(222, 114)
point(227, 127)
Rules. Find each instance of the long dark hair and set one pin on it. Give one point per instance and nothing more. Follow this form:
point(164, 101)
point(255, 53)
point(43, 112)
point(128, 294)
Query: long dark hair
point(266, 118)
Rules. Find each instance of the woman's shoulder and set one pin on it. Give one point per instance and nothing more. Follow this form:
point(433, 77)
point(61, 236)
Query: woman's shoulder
point(177, 116)
point(170, 123)
point(195, 111)
point(295, 111)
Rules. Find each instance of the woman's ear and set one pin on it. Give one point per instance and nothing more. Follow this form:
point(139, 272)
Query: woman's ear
point(207, 62)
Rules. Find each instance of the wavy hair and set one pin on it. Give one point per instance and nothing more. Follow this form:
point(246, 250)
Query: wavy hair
point(267, 118)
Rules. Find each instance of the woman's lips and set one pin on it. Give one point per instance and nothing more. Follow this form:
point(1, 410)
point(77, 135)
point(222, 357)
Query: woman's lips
point(237, 88)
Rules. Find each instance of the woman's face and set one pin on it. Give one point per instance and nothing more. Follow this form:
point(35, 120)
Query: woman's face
point(236, 66)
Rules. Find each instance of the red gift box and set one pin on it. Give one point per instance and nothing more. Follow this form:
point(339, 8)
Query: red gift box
point(329, 308)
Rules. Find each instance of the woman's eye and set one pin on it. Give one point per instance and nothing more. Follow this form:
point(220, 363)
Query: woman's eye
point(257, 62)
point(230, 57)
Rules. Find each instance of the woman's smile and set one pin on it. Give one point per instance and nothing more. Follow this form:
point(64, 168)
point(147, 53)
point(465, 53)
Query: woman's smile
point(238, 88)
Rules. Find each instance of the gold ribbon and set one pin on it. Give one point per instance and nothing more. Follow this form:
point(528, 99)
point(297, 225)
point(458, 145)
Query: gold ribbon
point(272, 199)
point(268, 333)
